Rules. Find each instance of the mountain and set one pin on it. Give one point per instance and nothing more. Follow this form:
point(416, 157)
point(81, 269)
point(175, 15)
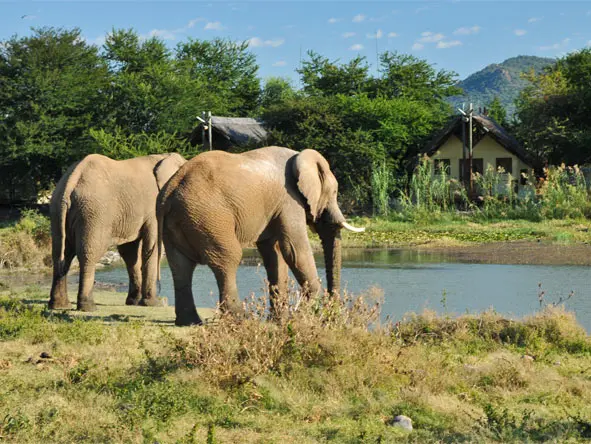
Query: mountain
point(502, 80)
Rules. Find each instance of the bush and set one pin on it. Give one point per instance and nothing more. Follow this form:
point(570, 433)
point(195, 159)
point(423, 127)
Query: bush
point(28, 243)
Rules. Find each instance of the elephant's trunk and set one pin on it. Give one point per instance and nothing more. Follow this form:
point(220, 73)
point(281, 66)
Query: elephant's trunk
point(331, 244)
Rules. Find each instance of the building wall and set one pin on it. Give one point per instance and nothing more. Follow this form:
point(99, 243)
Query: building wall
point(487, 149)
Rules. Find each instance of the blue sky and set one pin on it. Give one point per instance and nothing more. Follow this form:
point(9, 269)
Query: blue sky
point(463, 36)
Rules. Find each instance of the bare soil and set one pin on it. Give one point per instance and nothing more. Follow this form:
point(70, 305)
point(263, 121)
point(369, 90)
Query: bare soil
point(517, 252)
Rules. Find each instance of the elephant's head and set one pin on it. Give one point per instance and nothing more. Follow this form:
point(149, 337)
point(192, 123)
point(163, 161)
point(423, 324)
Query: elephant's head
point(166, 166)
point(319, 187)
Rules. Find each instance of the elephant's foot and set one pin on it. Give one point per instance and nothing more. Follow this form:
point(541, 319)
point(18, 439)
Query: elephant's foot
point(185, 318)
point(151, 302)
point(59, 304)
point(86, 306)
point(132, 300)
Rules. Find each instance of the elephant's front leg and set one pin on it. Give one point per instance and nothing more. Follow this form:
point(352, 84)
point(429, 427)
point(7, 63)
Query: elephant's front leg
point(296, 250)
point(149, 267)
point(277, 275)
point(131, 256)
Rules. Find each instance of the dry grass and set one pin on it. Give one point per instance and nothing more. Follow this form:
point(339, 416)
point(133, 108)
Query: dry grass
point(321, 375)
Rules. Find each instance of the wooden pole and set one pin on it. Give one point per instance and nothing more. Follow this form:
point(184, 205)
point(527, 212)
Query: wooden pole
point(203, 128)
point(209, 131)
point(470, 147)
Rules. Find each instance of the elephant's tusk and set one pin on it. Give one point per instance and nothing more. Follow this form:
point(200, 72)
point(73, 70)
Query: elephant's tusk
point(352, 228)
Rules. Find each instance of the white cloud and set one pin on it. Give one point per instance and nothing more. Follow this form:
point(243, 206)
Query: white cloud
point(378, 35)
point(421, 9)
point(280, 63)
point(430, 37)
point(163, 34)
point(214, 26)
point(520, 32)
point(194, 21)
point(417, 46)
point(258, 42)
point(589, 43)
point(29, 17)
point(448, 44)
point(556, 46)
point(392, 34)
point(464, 30)
point(333, 20)
point(534, 19)
point(359, 18)
point(347, 35)
point(357, 47)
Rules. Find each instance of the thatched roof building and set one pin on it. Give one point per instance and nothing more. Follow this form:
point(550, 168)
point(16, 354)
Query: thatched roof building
point(483, 126)
point(230, 133)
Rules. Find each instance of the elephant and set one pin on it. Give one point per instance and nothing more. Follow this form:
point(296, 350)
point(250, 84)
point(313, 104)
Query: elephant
point(100, 202)
point(219, 202)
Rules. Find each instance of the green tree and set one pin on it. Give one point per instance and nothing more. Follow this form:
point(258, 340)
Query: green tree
point(227, 69)
point(406, 76)
point(52, 89)
point(554, 112)
point(275, 91)
point(320, 76)
point(497, 111)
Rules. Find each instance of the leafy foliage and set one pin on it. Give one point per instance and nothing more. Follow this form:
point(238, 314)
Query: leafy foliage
point(555, 123)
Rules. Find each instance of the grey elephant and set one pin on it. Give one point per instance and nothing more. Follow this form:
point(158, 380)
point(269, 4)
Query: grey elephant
point(219, 202)
point(100, 202)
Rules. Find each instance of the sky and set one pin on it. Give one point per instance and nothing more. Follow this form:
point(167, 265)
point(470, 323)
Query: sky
point(456, 35)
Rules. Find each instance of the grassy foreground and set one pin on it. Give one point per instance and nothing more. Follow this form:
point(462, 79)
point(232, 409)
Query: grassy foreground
point(126, 374)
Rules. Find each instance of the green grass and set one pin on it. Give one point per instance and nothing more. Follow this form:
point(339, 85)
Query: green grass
point(389, 232)
point(321, 377)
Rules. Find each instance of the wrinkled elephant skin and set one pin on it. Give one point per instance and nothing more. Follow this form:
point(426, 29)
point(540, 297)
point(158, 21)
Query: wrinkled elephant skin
point(219, 202)
point(101, 202)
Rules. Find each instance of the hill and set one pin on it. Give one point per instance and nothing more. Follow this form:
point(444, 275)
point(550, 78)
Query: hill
point(502, 80)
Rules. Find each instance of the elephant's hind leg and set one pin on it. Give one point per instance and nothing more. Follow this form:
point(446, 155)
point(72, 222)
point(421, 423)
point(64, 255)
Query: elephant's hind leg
point(224, 261)
point(58, 297)
point(182, 269)
point(277, 275)
point(130, 254)
point(87, 271)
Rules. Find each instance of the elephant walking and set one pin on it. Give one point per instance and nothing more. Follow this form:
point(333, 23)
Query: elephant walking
point(219, 202)
point(101, 202)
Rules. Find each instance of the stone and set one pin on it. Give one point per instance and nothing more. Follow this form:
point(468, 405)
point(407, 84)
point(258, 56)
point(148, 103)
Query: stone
point(403, 422)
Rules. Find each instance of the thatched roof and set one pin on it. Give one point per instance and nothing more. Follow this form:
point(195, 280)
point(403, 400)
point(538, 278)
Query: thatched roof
point(236, 131)
point(483, 125)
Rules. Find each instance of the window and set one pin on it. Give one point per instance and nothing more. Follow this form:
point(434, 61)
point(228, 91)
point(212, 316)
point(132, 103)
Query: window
point(442, 165)
point(477, 166)
point(506, 163)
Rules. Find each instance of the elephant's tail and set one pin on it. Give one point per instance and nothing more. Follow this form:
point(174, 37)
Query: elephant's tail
point(161, 210)
point(61, 212)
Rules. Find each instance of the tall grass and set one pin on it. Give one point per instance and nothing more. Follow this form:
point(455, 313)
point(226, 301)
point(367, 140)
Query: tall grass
point(381, 185)
point(431, 195)
point(27, 243)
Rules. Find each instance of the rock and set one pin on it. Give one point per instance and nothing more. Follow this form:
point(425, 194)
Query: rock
point(110, 257)
point(528, 358)
point(45, 355)
point(403, 422)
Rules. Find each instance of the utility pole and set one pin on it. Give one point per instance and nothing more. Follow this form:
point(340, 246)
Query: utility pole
point(467, 147)
point(205, 119)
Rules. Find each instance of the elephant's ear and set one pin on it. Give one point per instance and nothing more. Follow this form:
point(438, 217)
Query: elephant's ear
point(309, 175)
point(166, 168)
